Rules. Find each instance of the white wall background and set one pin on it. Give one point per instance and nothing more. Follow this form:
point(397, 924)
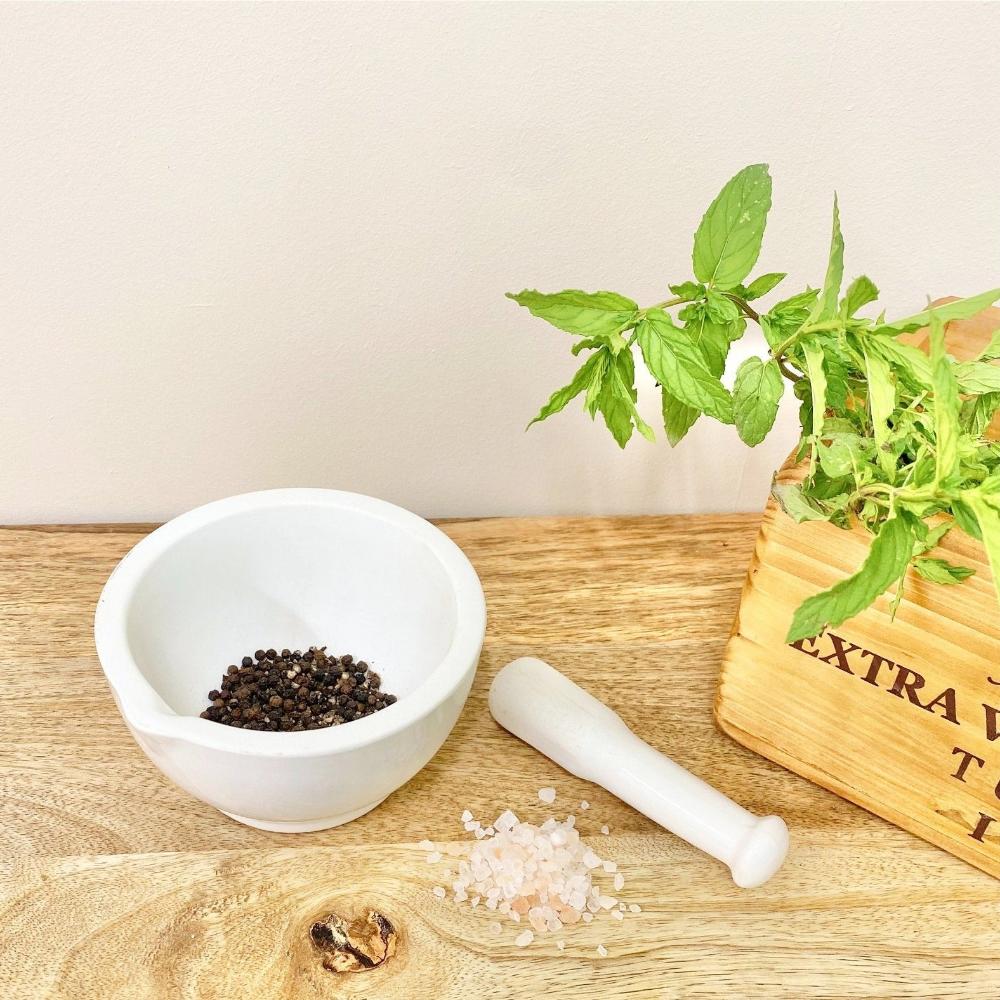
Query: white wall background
point(244, 246)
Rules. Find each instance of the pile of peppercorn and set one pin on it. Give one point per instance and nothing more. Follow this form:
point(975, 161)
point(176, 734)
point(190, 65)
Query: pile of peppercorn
point(291, 691)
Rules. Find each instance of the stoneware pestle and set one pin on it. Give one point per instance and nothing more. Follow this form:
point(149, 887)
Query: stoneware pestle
point(548, 711)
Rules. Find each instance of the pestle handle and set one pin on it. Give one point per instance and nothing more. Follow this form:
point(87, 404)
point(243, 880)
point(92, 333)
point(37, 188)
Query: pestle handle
point(549, 712)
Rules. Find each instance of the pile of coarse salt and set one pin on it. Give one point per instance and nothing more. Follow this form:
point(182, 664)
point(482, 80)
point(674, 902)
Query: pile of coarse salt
point(543, 874)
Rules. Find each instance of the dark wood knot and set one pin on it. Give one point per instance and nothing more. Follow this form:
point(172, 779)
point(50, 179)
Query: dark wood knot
point(354, 945)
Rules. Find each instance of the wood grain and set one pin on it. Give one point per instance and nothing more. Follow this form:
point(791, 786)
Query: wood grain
point(115, 884)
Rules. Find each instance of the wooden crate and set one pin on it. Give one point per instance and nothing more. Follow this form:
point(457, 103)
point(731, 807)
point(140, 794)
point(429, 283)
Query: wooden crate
point(901, 717)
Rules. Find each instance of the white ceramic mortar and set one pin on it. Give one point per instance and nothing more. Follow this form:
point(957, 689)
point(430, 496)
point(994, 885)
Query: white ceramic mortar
point(291, 568)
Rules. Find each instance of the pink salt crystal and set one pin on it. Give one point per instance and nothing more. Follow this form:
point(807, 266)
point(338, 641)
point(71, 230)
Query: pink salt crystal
point(547, 795)
point(621, 906)
point(584, 805)
point(438, 891)
point(602, 951)
point(534, 874)
point(561, 945)
point(495, 927)
point(466, 816)
point(618, 915)
point(605, 830)
point(634, 908)
point(505, 821)
point(619, 882)
point(523, 835)
point(426, 845)
point(610, 866)
point(524, 939)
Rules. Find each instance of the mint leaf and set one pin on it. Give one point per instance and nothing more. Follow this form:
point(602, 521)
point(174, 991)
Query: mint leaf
point(946, 404)
point(590, 314)
point(910, 360)
point(841, 456)
point(759, 287)
point(727, 243)
point(591, 371)
point(616, 397)
point(989, 525)
point(826, 304)
point(817, 389)
point(622, 376)
point(591, 400)
point(711, 338)
point(992, 350)
point(975, 377)
point(978, 412)
point(787, 317)
point(676, 364)
point(837, 375)
point(678, 417)
point(886, 563)
point(756, 394)
point(965, 518)
point(928, 538)
point(959, 309)
point(587, 344)
point(796, 305)
point(881, 404)
point(688, 290)
point(942, 571)
point(859, 293)
point(990, 487)
point(720, 308)
point(795, 505)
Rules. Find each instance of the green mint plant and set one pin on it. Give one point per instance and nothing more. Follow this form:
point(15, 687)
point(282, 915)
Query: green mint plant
point(892, 438)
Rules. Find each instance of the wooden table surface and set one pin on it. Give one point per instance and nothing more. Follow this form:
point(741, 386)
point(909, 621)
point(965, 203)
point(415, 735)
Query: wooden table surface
point(115, 884)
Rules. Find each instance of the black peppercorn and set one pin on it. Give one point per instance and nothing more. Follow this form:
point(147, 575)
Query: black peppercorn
point(296, 692)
